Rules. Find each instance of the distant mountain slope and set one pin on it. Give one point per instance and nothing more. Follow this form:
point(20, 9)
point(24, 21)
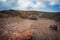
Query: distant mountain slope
point(25, 14)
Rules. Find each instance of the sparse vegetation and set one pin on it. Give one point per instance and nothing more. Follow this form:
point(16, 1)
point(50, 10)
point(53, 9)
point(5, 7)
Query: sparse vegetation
point(25, 14)
point(2, 15)
point(13, 27)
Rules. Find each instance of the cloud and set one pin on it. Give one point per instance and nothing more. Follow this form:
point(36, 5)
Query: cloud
point(28, 4)
point(39, 5)
point(54, 2)
point(23, 4)
point(31, 4)
point(35, 4)
point(3, 0)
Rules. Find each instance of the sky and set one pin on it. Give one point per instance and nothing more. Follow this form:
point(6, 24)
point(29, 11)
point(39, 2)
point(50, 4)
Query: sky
point(28, 5)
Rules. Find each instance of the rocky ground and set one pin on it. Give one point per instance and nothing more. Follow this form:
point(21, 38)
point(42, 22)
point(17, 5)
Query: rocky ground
point(42, 27)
